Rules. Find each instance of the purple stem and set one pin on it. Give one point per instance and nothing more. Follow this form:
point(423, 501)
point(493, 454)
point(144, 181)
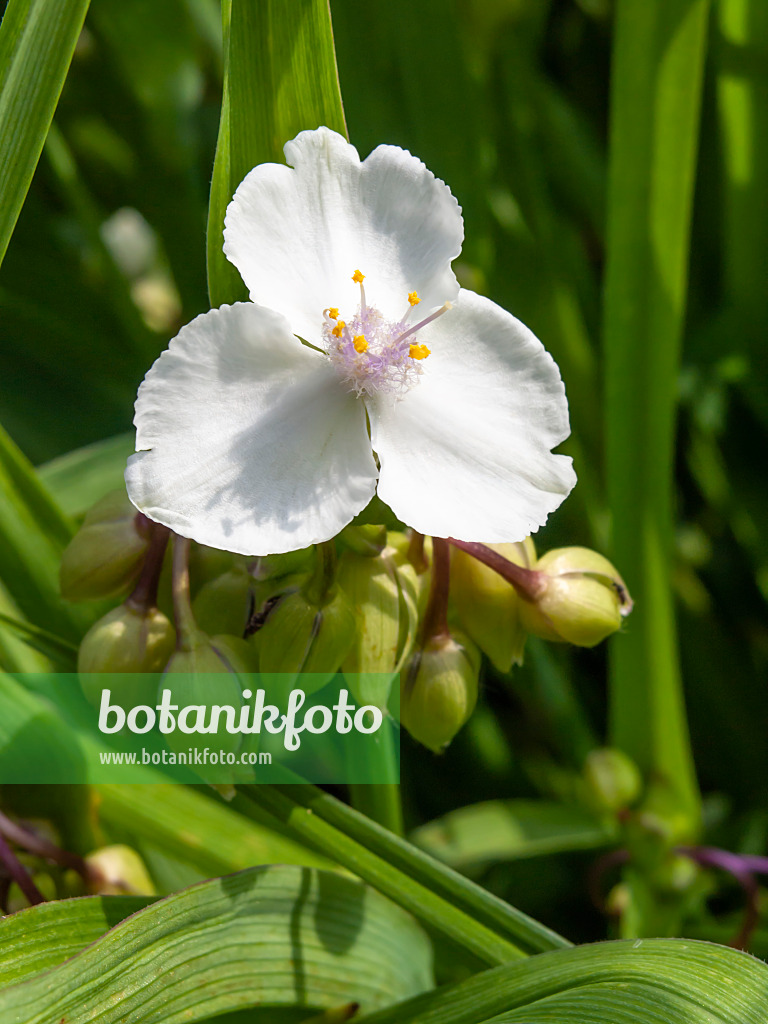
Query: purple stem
point(19, 874)
point(416, 555)
point(741, 868)
point(41, 847)
point(144, 594)
point(529, 583)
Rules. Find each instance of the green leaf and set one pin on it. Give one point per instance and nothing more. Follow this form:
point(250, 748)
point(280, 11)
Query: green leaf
point(153, 48)
point(54, 647)
point(651, 981)
point(197, 829)
point(42, 937)
point(15, 654)
point(658, 65)
point(279, 78)
point(37, 40)
point(509, 830)
point(33, 534)
point(78, 479)
point(270, 936)
point(464, 912)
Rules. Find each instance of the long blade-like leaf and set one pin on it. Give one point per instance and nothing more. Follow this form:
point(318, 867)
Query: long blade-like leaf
point(33, 534)
point(279, 78)
point(677, 981)
point(657, 80)
point(196, 829)
point(464, 912)
point(37, 40)
point(275, 936)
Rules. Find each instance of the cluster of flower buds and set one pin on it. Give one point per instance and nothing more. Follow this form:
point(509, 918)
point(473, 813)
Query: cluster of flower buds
point(374, 604)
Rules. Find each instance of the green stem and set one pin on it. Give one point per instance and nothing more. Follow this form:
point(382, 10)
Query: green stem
point(438, 895)
point(186, 627)
point(435, 622)
point(380, 802)
point(655, 100)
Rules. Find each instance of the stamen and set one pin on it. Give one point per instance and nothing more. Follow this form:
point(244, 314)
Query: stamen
point(333, 312)
point(413, 298)
point(358, 278)
point(419, 352)
point(360, 344)
point(427, 320)
point(337, 330)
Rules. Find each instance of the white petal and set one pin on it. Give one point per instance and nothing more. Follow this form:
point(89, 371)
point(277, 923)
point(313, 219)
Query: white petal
point(466, 452)
point(297, 236)
point(250, 444)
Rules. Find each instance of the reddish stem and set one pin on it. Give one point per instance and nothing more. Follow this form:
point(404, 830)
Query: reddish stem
point(19, 874)
point(529, 583)
point(144, 594)
point(41, 847)
point(416, 555)
point(435, 625)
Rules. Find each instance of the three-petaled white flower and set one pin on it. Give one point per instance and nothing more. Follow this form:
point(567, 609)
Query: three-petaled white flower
point(252, 440)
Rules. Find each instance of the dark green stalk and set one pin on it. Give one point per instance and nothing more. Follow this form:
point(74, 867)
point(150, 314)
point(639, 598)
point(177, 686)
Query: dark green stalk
point(658, 62)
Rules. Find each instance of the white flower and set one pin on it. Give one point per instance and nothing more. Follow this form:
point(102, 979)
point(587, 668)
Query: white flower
point(254, 441)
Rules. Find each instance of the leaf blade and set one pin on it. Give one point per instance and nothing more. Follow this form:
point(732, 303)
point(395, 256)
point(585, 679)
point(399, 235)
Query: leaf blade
point(37, 41)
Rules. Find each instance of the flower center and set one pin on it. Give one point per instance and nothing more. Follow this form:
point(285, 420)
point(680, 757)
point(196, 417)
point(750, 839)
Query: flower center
point(373, 354)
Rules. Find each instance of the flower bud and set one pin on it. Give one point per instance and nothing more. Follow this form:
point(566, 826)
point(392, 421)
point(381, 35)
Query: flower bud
point(126, 640)
point(206, 672)
point(222, 605)
point(439, 690)
point(582, 599)
point(487, 606)
point(116, 870)
point(206, 564)
point(383, 594)
point(365, 540)
point(612, 780)
point(297, 636)
point(105, 556)
point(274, 567)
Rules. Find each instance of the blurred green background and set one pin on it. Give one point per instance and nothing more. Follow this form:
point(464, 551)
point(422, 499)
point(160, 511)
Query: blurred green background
point(508, 102)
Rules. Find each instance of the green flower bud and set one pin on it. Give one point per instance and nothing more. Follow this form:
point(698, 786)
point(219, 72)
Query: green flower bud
point(297, 636)
point(206, 672)
point(488, 607)
point(116, 870)
point(105, 556)
point(223, 604)
point(273, 567)
point(206, 564)
point(439, 690)
point(126, 640)
point(383, 595)
point(612, 780)
point(582, 598)
point(365, 540)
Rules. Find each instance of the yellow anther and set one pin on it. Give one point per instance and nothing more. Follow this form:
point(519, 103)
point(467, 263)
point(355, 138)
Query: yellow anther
point(358, 277)
point(413, 298)
point(360, 343)
point(338, 328)
point(333, 312)
point(418, 352)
